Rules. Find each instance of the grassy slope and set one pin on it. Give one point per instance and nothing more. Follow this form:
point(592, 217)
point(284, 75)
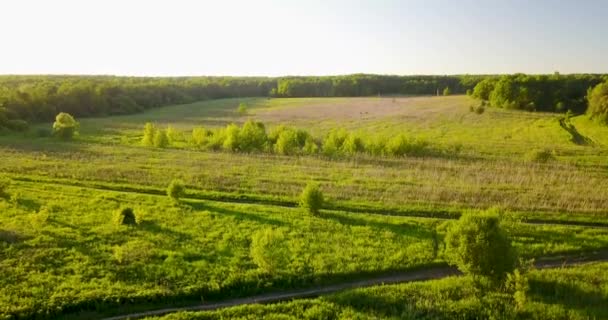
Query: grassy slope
point(571, 293)
point(61, 249)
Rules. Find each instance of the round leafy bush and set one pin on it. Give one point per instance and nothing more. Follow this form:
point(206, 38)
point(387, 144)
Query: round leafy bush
point(65, 126)
point(311, 198)
point(478, 246)
point(176, 189)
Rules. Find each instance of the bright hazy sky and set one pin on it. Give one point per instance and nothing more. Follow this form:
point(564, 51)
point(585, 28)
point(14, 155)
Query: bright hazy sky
point(303, 37)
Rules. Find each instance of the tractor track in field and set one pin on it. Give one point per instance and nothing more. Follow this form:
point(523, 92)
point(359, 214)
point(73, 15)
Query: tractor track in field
point(404, 277)
point(247, 199)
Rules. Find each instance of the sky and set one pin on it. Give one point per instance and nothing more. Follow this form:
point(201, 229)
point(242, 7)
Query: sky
point(302, 37)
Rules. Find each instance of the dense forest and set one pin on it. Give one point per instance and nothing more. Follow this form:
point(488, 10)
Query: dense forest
point(26, 99)
point(556, 92)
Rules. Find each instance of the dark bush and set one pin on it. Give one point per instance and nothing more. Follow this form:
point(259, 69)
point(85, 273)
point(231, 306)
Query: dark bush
point(125, 216)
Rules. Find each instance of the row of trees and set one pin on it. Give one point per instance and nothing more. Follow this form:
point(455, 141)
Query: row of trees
point(40, 98)
point(252, 136)
point(553, 93)
point(367, 85)
point(26, 99)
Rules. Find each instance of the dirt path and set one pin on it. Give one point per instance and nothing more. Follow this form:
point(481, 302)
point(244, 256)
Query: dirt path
point(418, 275)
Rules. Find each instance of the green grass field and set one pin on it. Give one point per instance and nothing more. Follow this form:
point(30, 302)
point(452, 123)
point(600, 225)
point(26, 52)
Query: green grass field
point(62, 256)
point(571, 293)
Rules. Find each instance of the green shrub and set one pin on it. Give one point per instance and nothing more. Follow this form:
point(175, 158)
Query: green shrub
point(480, 109)
point(242, 109)
point(253, 137)
point(352, 145)
point(268, 250)
point(125, 216)
point(332, 144)
point(540, 156)
point(216, 140)
point(478, 246)
point(200, 136)
point(310, 146)
point(174, 135)
point(287, 142)
point(598, 103)
point(176, 189)
point(311, 198)
point(375, 145)
point(149, 134)
point(160, 139)
point(65, 126)
point(401, 145)
point(447, 91)
point(232, 138)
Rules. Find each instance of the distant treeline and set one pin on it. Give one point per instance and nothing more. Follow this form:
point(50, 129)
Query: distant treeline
point(556, 92)
point(368, 85)
point(40, 98)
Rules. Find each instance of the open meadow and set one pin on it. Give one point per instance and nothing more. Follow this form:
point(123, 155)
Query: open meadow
point(63, 256)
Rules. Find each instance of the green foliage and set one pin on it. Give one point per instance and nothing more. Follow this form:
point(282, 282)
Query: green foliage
point(536, 92)
point(598, 103)
point(253, 137)
point(125, 216)
point(287, 142)
point(401, 145)
point(161, 140)
point(517, 284)
point(447, 91)
point(176, 189)
point(311, 198)
point(242, 109)
point(200, 136)
point(269, 250)
point(65, 127)
point(478, 246)
point(150, 131)
point(539, 155)
point(332, 144)
point(174, 135)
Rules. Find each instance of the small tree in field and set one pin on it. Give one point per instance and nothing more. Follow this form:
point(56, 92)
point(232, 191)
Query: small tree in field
point(176, 189)
point(447, 91)
point(161, 140)
point(149, 133)
point(65, 126)
point(478, 246)
point(269, 250)
point(242, 109)
point(311, 198)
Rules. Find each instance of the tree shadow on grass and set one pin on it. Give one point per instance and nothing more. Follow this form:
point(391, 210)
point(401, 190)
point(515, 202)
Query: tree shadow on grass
point(12, 237)
point(384, 306)
point(404, 228)
point(239, 215)
point(594, 303)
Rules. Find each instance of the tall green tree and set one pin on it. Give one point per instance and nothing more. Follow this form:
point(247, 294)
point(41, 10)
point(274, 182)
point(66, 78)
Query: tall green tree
point(65, 126)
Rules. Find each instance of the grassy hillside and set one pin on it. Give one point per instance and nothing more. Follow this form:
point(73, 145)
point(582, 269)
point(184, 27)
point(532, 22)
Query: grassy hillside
point(61, 253)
